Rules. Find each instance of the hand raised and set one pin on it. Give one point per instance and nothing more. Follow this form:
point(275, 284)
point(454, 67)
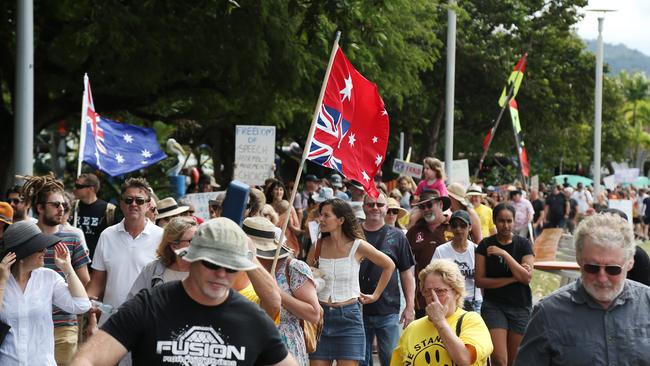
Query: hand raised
point(435, 310)
point(5, 265)
point(62, 258)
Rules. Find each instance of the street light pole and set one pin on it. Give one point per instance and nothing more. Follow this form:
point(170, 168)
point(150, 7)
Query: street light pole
point(24, 116)
point(449, 93)
point(598, 102)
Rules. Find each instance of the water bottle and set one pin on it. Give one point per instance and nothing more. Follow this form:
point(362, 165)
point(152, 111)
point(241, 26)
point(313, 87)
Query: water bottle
point(106, 309)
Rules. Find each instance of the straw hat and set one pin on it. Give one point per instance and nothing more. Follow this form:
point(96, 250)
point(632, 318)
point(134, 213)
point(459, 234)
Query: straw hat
point(457, 191)
point(168, 207)
point(475, 190)
point(262, 233)
point(393, 204)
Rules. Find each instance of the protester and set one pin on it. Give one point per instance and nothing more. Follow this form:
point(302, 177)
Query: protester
point(504, 266)
point(458, 197)
point(15, 199)
point(406, 187)
point(293, 227)
point(382, 318)
point(169, 266)
point(524, 212)
point(93, 214)
point(584, 198)
point(448, 335)
point(168, 209)
point(197, 321)
point(338, 255)
point(356, 190)
point(571, 220)
point(433, 178)
point(215, 206)
point(337, 185)
point(269, 213)
point(296, 282)
point(556, 209)
point(301, 202)
point(460, 250)
point(475, 197)
point(602, 203)
point(538, 207)
point(151, 210)
point(191, 210)
point(65, 221)
point(28, 291)
point(44, 194)
point(602, 319)
point(394, 214)
point(124, 248)
point(426, 235)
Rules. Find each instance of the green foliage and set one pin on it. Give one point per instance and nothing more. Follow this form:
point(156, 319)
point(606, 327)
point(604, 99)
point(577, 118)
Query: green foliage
point(193, 71)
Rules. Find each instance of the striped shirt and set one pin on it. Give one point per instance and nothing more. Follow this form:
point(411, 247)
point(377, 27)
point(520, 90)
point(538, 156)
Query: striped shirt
point(79, 258)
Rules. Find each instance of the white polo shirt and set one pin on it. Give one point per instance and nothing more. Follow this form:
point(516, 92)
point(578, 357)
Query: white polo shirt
point(123, 257)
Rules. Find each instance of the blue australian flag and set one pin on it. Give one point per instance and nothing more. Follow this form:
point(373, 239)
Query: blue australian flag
point(119, 148)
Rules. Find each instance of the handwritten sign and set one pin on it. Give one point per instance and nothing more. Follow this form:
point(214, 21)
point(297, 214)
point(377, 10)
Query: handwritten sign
point(200, 202)
point(254, 153)
point(459, 172)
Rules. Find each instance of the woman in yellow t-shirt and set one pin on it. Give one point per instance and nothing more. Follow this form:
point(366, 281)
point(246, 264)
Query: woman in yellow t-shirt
point(448, 334)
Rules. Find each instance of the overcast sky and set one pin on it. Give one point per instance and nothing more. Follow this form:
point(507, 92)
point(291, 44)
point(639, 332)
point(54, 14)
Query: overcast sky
point(630, 24)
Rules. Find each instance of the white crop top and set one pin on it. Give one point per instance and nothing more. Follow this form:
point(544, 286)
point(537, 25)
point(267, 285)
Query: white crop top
point(341, 277)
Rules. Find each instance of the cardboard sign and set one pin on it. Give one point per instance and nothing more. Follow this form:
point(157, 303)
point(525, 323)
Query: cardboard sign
point(402, 167)
point(626, 175)
point(200, 202)
point(254, 153)
point(459, 172)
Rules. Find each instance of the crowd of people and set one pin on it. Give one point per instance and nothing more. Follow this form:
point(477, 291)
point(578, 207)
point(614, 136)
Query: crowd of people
point(427, 273)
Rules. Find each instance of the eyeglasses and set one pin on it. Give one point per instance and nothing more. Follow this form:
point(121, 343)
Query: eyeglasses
point(81, 186)
point(373, 204)
point(215, 267)
point(57, 204)
point(457, 224)
point(138, 200)
point(393, 211)
point(610, 269)
point(14, 201)
point(181, 241)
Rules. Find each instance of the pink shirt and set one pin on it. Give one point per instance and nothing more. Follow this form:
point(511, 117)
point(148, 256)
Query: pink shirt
point(438, 185)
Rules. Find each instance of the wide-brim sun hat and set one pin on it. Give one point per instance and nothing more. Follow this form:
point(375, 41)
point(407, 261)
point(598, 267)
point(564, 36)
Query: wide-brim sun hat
point(168, 207)
point(323, 194)
point(393, 204)
point(457, 192)
point(6, 213)
point(431, 195)
point(357, 208)
point(263, 234)
point(222, 242)
point(25, 238)
point(218, 199)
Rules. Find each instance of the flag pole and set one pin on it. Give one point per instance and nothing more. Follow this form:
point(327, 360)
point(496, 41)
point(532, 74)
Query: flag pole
point(305, 150)
point(496, 124)
point(82, 139)
point(518, 145)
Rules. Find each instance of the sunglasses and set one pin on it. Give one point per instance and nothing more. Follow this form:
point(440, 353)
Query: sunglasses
point(81, 186)
point(14, 201)
point(610, 269)
point(215, 267)
point(427, 205)
point(57, 204)
point(138, 200)
point(373, 204)
point(393, 211)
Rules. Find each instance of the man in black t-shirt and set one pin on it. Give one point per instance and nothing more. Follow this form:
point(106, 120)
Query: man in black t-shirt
point(381, 318)
point(198, 321)
point(556, 209)
point(93, 214)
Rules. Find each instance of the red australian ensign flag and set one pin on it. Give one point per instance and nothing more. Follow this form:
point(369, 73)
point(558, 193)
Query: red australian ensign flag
point(351, 131)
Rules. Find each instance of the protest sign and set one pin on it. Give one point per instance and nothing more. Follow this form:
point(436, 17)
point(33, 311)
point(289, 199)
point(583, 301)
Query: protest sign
point(459, 172)
point(626, 175)
point(200, 202)
point(254, 153)
point(402, 167)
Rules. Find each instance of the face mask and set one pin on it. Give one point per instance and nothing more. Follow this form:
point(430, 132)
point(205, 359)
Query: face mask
point(180, 252)
point(430, 217)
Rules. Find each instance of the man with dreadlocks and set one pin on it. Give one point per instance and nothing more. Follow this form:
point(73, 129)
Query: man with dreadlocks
point(44, 194)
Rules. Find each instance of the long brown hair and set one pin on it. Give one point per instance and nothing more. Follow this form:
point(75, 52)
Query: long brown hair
point(351, 227)
point(174, 230)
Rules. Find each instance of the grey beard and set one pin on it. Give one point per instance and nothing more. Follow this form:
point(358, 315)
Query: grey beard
point(430, 217)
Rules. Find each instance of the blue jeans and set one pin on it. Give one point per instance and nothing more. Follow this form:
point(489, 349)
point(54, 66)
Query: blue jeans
point(387, 330)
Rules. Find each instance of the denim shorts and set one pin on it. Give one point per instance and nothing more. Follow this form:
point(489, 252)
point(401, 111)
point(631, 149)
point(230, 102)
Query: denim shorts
point(513, 318)
point(343, 336)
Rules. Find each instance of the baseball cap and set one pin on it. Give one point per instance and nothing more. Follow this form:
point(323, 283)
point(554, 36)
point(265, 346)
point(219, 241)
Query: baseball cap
point(461, 215)
point(222, 242)
point(311, 178)
point(25, 238)
point(6, 213)
point(336, 180)
point(324, 194)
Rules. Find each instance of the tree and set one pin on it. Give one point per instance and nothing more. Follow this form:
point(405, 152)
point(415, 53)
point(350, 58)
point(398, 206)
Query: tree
point(636, 90)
